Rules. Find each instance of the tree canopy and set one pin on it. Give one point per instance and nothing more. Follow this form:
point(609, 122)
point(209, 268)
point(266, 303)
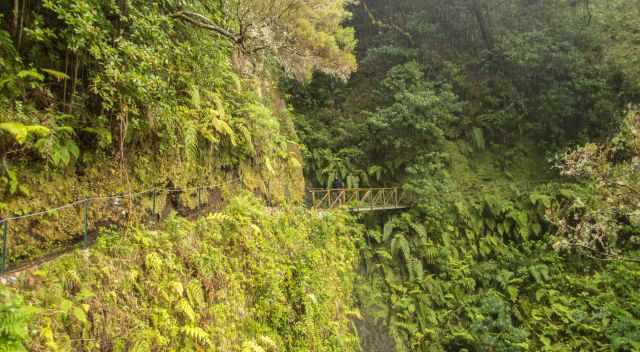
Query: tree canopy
point(301, 35)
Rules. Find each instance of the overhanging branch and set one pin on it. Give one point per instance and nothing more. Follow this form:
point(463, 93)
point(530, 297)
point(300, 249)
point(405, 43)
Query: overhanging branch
point(201, 21)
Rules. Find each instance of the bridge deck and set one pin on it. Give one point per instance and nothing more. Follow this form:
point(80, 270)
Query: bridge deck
point(365, 209)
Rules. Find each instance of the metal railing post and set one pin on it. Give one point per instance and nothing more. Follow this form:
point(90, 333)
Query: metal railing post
point(371, 200)
point(5, 252)
point(397, 198)
point(85, 226)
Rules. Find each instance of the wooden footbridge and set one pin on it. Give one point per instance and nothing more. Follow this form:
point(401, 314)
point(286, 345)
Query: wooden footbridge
point(359, 199)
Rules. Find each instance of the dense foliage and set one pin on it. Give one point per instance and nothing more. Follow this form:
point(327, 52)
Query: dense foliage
point(489, 72)
point(606, 218)
point(506, 121)
point(484, 276)
point(246, 279)
point(104, 97)
point(513, 125)
point(550, 268)
point(15, 315)
point(91, 87)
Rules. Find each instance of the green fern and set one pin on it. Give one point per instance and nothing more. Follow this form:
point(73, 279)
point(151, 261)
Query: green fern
point(540, 273)
point(388, 230)
point(224, 129)
point(420, 229)
point(197, 334)
point(195, 293)
point(431, 254)
point(153, 262)
point(59, 76)
point(190, 138)
point(399, 244)
point(415, 269)
point(14, 319)
point(477, 136)
point(21, 132)
point(186, 310)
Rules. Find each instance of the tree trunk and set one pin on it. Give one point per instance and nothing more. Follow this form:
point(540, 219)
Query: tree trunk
point(21, 24)
point(16, 16)
point(482, 24)
point(75, 80)
point(64, 89)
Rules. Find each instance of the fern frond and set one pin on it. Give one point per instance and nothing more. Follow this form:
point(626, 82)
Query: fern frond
point(431, 255)
point(415, 269)
point(197, 334)
point(190, 139)
point(400, 244)
point(153, 262)
point(420, 229)
point(21, 132)
point(223, 128)
point(195, 293)
point(186, 310)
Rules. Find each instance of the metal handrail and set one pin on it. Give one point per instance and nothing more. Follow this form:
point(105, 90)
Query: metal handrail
point(370, 198)
point(84, 204)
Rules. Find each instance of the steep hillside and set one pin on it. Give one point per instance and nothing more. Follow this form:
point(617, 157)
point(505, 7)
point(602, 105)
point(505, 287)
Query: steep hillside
point(246, 279)
point(117, 97)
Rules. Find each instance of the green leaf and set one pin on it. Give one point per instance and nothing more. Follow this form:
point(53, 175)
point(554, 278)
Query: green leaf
point(477, 136)
point(79, 314)
point(513, 293)
point(21, 132)
point(388, 230)
point(223, 128)
point(73, 149)
point(384, 254)
point(31, 74)
point(55, 74)
point(65, 305)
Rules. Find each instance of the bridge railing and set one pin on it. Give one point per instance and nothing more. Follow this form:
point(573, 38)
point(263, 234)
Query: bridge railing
point(358, 198)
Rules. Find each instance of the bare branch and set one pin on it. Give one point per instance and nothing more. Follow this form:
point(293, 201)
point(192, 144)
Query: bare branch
point(201, 21)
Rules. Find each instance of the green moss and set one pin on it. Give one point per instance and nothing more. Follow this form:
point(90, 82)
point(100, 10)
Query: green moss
point(498, 169)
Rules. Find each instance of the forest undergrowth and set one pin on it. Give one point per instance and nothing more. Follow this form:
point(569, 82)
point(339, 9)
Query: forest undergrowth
point(245, 279)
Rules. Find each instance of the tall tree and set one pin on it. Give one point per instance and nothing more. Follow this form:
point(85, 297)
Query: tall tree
point(302, 35)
